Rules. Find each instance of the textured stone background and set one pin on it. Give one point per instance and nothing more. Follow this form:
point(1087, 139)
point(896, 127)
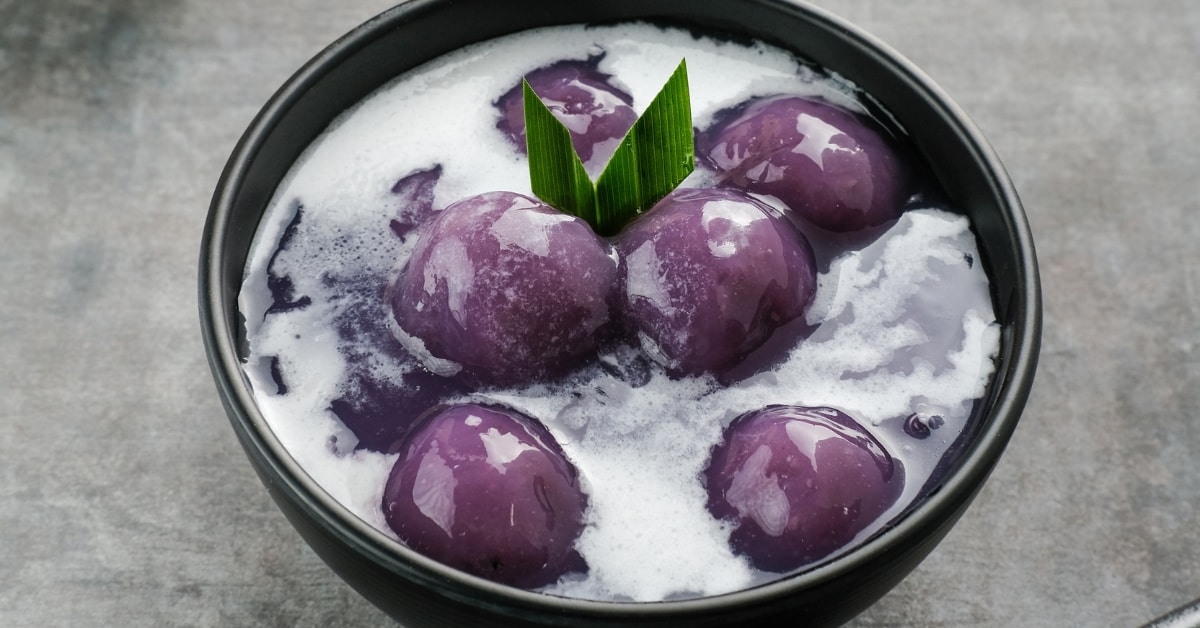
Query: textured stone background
point(125, 499)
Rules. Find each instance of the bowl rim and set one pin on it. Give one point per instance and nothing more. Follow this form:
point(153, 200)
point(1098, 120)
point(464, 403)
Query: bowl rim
point(958, 487)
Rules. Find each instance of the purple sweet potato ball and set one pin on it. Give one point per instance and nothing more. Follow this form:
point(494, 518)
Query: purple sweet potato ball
point(596, 111)
point(707, 275)
point(488, 491)
point(834, 168)
point(800, 483)
point(505, 287)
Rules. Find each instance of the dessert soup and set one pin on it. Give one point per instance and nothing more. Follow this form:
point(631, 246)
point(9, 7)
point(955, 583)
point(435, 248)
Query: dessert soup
point(681, 453)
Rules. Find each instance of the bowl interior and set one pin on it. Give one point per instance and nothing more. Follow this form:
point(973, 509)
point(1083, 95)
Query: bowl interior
point(395, 41)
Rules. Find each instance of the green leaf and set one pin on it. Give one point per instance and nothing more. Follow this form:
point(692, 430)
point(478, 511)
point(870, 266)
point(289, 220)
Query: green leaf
point(654, 157)
point(658, 153)
point(555, 171)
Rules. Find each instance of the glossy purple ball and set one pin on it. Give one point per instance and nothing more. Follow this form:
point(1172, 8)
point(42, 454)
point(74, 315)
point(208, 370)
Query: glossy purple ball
point(488, 491)
point(830, 166)
point(801, 483)
point(506, 287)
point(707, 275)
point(594, 109)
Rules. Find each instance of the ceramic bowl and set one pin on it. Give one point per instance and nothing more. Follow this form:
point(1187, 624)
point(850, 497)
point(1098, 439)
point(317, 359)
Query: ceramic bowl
point(418, 591)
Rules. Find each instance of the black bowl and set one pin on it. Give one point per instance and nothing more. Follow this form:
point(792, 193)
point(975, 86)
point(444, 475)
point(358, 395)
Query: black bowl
point(418, 591)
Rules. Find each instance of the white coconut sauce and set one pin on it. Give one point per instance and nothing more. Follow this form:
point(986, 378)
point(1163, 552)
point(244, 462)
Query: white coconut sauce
point(905, 324)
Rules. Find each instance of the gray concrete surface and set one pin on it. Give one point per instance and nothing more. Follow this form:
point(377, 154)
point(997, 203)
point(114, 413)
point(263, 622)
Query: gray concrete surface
point(126, 501)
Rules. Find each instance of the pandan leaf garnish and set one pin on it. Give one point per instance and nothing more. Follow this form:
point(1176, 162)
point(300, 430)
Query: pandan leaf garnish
point(656, 155)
